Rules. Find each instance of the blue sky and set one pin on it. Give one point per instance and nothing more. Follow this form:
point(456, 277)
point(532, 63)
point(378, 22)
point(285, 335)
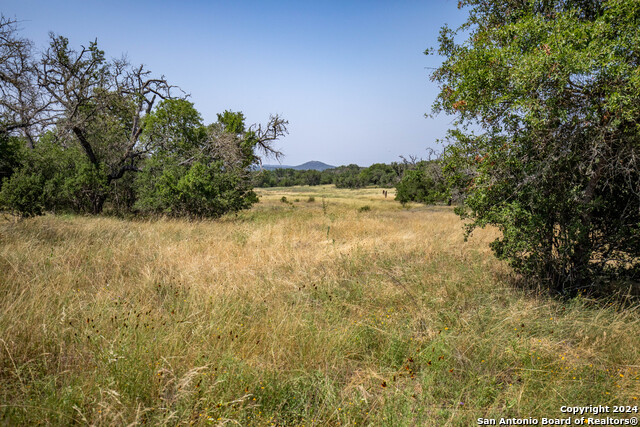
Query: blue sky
point(350, 76)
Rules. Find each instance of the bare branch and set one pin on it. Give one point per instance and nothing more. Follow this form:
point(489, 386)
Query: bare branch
point(275, 129)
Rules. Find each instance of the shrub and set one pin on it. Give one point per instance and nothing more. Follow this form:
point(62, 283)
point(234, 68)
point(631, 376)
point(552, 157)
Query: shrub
point(53, 178)
point(202, 190)
point(422, 185)
point(11, 156)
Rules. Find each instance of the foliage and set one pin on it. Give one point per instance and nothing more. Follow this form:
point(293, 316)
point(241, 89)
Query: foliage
point(349, 177)
point(76, 129)
point(381, 175)
point(554, 88)
point(11, 152)
point(423, 184)
point(100, 105)
point(204, 190)
point(196, 170)
point(84, 104)
point(290, 177)
point(52, 178)
point(352, 176)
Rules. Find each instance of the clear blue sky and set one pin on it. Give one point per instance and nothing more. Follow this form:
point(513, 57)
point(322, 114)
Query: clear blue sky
point(350, 76)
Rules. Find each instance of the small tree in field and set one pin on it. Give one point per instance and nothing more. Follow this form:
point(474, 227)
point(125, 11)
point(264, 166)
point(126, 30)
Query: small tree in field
point(423, 182)
point(554, 87)
point(200, 170)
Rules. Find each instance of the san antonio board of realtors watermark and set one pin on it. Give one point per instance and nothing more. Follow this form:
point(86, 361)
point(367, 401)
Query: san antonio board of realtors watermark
point(578, 416)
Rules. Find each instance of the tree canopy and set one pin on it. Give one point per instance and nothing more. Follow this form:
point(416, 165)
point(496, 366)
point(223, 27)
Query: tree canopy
point(78, 130)
point(547, 138)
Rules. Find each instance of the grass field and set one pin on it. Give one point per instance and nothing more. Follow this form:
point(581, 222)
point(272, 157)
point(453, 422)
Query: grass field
point(332, 307)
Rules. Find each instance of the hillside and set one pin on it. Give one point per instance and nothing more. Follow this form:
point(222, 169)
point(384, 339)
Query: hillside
point(312, 165)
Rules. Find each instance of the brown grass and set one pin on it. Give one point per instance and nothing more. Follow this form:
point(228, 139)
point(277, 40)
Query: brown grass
point(292, 313)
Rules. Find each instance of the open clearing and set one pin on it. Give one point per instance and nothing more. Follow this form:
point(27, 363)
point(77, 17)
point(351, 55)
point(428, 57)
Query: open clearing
point(299, 312)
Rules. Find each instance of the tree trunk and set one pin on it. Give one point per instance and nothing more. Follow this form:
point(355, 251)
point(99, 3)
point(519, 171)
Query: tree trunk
point(98, 203)
point(86, 146)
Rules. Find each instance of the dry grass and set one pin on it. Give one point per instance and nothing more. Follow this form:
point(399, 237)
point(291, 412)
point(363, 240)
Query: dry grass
point(299, 312)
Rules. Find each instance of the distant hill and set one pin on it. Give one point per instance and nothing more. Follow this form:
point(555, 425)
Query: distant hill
point(313, 165)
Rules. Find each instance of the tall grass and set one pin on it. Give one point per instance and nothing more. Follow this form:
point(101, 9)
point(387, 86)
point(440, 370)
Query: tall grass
point(292, 314)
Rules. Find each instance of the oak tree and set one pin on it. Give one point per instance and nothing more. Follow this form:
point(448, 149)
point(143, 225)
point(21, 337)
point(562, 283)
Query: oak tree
point(547, 144)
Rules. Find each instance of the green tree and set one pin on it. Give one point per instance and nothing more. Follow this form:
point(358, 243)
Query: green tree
point(423, 183)
point(92, 124)
point(11, 153)
point(53, 178)
point(100, 106)
point(379, 174)
point(348, 177)
point(200, 170)
point(552, 89)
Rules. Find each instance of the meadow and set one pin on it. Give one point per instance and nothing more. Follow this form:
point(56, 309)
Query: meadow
point(318, 306)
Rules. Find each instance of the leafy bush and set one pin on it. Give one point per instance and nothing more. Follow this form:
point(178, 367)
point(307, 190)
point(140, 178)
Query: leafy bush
point(202, 190)
point(196, 170)
point(350, 177)
point(53, 178)
point(424, 184)
point(553, 92)
point(11, 153)
point(23, 194)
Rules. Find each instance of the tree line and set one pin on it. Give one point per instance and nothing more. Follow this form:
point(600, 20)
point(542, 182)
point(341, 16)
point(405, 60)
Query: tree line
point(351, 176)
point(79, 133)
point(415, 181)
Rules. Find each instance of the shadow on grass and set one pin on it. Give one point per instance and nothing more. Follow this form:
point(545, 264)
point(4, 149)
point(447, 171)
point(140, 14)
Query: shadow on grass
point(619, 292)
